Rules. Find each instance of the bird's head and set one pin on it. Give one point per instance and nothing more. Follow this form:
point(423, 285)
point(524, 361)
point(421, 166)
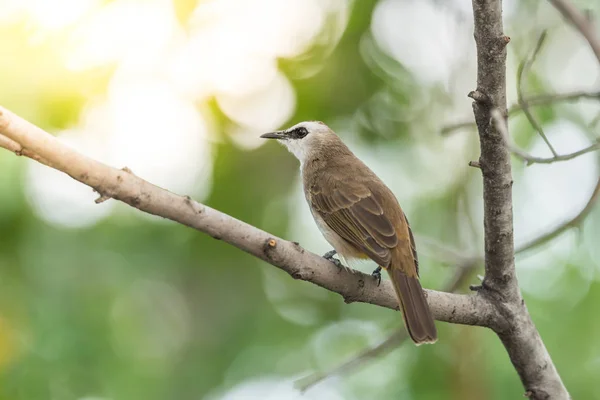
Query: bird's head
point(304, 139)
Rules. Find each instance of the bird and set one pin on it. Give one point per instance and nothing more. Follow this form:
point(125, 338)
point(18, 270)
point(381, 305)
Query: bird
point(359, 216)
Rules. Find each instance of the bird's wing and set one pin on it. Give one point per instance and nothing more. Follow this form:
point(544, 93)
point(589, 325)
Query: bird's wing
point(355, 213)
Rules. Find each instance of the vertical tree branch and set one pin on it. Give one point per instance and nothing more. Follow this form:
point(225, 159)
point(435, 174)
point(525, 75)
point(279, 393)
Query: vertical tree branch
point(522, 340)
point(495, 156)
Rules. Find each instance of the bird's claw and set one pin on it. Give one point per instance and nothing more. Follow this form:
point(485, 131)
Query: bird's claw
point(336, 262)
point(377, 275)
point(329, 257)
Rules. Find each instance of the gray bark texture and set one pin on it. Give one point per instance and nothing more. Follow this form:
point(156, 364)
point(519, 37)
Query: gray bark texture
point(520, 337)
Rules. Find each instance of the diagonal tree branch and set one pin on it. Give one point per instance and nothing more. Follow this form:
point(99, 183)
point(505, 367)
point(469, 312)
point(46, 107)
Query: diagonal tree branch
point(300, 264)
point(384, 347)
point(522, 340)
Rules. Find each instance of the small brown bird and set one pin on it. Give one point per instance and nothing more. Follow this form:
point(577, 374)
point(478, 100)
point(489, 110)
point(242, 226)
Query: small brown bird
point(359, 216)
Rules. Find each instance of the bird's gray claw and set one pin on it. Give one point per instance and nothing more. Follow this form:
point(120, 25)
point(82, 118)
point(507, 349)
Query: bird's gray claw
point(377, 275)
point(329, 257)
point(336, 262)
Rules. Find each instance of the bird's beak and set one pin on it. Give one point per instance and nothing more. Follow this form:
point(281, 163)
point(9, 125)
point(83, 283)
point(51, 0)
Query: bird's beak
point(273, 135)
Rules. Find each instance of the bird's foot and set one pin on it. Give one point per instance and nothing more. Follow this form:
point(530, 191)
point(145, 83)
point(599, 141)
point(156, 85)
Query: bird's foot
point(329, 257)
point(377, 275)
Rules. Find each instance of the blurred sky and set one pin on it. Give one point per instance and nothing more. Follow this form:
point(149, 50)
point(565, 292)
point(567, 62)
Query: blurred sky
point(180, 90)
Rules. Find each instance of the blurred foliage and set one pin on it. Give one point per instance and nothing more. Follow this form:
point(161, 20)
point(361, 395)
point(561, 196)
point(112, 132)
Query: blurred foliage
point(134, 307)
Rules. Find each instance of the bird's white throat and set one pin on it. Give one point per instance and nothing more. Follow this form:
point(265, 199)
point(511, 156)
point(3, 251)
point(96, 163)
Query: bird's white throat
point(298, 148)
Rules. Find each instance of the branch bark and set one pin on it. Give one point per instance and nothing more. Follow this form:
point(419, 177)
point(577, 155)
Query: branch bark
point(32, 141)
point(495, 157)
point(522, 340)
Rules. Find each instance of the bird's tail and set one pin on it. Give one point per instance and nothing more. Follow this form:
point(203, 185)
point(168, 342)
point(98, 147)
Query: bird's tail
point(415, 310)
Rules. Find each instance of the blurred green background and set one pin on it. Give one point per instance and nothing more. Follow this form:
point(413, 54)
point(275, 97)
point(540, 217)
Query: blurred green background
point(104, 302)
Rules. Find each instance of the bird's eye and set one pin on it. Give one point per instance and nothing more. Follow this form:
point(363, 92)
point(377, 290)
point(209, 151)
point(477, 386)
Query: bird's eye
point(301, 132)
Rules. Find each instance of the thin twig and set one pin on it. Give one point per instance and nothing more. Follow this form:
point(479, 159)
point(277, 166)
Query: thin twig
point(581, 22)
point(522, 73)
point(545, 99)
point(529, 159)
point(391, 342)
point(534, 101)
point(457, 126)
